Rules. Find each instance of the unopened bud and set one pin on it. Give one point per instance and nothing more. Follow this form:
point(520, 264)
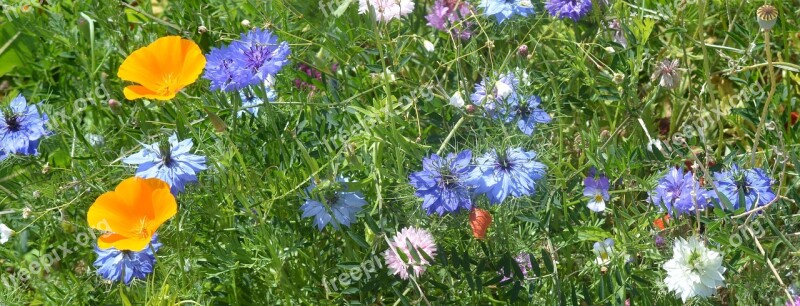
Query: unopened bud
point(470, 108)
point(246, 23)
point(114, 104)
point(523, 51)
point(202, 29)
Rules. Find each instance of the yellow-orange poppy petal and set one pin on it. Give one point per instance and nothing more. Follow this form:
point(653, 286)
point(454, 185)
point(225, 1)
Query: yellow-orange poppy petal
point(111, 213)
point(138, 192)
point(121, 242)
point(164, 207)
point(134, 92)
point(162, 68)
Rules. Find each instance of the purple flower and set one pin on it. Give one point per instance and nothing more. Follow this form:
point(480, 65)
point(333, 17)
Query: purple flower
point(794, 302)
point(513, 172)
point(523, 260)
point(221, 70)
point(442, 183)
point(421, 241)
point(446, 14)
point(619, 34)
point(749, 188)
point(572, 9)
point(260, 54)
point(596, 189)
point(526, 114)
point(21, 127)
point(116, 265)
point(679, 193)
point(504, 9)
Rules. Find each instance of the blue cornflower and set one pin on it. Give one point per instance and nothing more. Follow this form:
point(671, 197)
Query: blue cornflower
point(596, 189)
point(339, 208)
point(752, 186)
point(442, 183)
point(504, 9)
point(526, 114)
point(171, 162)
point(572, 9)
point(3, 155)
point(257, 55)
point(494, 97)
point(221, 70)
point(674, 192)
point(21, 127)
point(251, 103)
point(116, 265)
point(513, 172)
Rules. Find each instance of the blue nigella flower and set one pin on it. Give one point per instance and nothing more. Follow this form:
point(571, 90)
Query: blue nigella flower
point(513, 172)
point(743, 188)
point(442, 183)
point(3, 155)
point(171, 162)
point(674, 193)
point(504, 9)
point(572, 9)
point(527, 114)
point(251, 102)
point(116, 265)
point(493, 97)
point(258, 54)
point(596, 189)
point(21, 127)
point(339, 208)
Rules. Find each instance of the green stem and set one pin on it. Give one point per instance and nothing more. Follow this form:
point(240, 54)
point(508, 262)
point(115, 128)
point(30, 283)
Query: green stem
point(763, 119)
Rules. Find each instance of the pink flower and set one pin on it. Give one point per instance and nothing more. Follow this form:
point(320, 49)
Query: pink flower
point(419, 239)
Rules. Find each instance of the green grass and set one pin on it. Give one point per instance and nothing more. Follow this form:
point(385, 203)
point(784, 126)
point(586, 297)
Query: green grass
point(238, 237)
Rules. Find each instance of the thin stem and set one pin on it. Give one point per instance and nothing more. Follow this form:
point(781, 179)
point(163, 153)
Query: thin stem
point(769, 263)
point(763, 119)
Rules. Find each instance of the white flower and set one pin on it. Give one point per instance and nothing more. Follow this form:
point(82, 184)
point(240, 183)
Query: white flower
point(456, 100)
point(604, 249)
point(428, 45)
point(386, 10)
point(5, 233)
point(694, 270)
point(502, 89)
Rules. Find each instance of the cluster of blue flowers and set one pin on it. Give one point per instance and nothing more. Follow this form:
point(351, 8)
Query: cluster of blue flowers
point(449, 184)
point(505, 9)
point(335, 204)
point(125, 266)
point(247, 61)
point(22, 127)
point(679, 192)
point(502, 100)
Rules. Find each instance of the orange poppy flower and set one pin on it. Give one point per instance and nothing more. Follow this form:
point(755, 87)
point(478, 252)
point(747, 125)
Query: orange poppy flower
point(132, 213)
point(661, 222)
point(479, 220)
point(162, 68)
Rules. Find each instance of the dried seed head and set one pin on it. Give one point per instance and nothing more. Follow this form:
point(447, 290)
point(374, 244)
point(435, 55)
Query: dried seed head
point(767, 15)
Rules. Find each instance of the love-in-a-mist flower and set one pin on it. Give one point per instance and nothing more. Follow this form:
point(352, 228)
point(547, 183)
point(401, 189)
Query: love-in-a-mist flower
point(406, 241)
point(527, 114)
point(22, 126)
point(386, 10)
point(748, 188)
point(596, 189)
point(572, 9)
point(494, 96)
point(443, 182)
point(504, 9)
point(667, 74)
point(332, 203)
point(694, 270)
point(162, 68)
point(132, 213)
point(512, 172)
point(251, 103)
point(450, 15)
point(523, 260)
point(125, 266)
point(603, 250)
point(172, 162)
point(5, 233)
point(678, 193)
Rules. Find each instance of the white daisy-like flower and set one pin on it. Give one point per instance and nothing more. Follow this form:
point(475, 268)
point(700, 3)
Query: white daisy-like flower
point(694, 270)
point(5, 233)
point(386, 10)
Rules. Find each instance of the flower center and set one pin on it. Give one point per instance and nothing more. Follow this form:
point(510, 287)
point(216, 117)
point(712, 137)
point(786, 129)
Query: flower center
point(449, 180)
point(13, 122)
point(598, 197)
point(166, 153)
